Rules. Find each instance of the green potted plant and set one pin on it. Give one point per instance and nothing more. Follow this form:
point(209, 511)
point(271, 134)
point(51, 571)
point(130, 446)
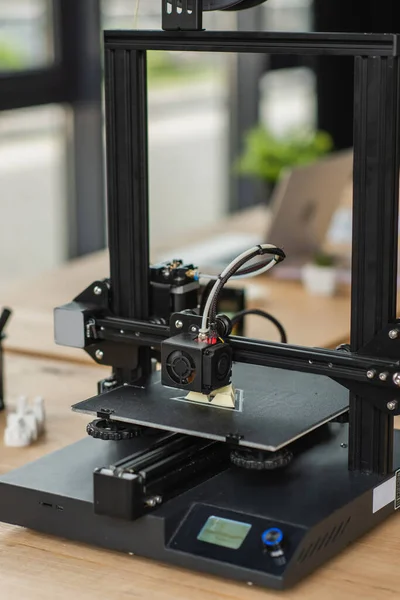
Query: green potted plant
point(319, 276)
point(266, 155)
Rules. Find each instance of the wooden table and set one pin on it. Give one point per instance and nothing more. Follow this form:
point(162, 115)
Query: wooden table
point(39, 567)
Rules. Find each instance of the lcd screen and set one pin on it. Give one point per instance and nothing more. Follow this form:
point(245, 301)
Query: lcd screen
point(224, 532)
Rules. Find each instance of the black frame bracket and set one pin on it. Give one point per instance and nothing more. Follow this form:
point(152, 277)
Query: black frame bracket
point(182, 15)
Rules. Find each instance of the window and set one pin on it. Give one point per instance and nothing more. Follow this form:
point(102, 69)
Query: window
point(33, 190)
point(51, 152)
point(26, 35)
point(288, 15)
point(288, 95)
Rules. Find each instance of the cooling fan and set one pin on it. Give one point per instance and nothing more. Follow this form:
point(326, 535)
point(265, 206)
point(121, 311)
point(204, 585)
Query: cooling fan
point(181, 367)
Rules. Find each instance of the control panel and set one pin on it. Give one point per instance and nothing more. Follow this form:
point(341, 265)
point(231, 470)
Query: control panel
point(248, 541)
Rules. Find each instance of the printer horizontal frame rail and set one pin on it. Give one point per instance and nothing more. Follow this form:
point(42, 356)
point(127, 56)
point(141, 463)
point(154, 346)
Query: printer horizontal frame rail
point(345, 367)
point(140, 482)
point(336, 44)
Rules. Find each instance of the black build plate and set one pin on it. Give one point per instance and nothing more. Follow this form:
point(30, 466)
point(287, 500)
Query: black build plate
point(274, 407)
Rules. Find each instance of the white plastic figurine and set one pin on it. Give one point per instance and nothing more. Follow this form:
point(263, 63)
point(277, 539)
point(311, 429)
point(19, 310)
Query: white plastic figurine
point(26, 424)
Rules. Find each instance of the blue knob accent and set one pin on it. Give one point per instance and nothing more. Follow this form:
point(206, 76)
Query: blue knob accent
point(272, 536)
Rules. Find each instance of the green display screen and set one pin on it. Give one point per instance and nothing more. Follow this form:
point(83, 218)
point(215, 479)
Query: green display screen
point(224, 532)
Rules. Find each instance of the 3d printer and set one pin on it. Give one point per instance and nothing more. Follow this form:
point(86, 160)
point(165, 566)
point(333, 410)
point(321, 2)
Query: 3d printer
point(286, 470)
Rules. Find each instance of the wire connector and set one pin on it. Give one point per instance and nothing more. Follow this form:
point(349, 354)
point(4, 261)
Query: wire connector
point(235, 268)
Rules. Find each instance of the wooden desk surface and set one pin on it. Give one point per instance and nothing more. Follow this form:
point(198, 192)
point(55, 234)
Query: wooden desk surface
point(309, 320)
point(39, 567)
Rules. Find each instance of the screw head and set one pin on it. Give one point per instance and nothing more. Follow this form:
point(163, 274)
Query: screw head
point(178, 324)
point(151, 502)
point(396, 379)
point(371, 373)
point(343, 445)
point(194, 329)
point(122, 331)
point(99, 354)
point(97, 291)
point(393, 334)
point(392, 405)
point(383, 376)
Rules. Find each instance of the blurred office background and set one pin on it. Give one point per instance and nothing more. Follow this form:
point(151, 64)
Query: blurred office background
point(52, 176)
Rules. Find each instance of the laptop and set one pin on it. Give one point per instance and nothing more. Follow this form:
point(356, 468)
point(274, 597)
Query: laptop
point(300, 213)
point(304, 204)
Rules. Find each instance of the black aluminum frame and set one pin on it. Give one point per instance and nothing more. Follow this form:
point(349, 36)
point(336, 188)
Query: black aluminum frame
point(375, 199)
